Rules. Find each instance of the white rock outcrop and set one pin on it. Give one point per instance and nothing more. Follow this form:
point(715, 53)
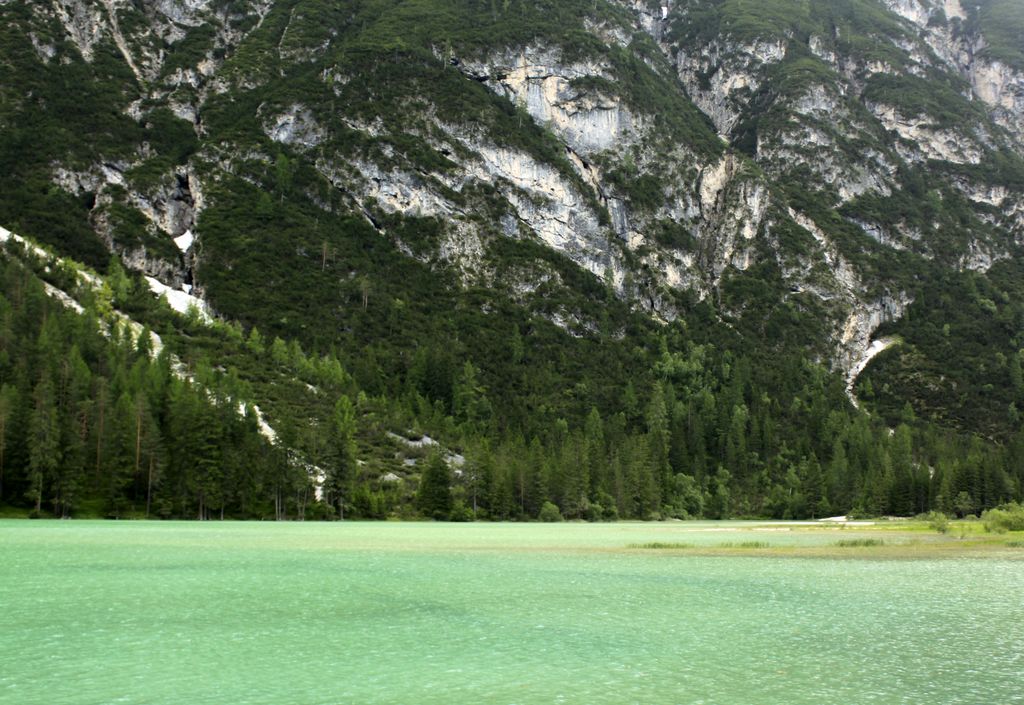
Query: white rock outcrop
point(296, 126)
point(733, 208)
point(928, 140)
point(563, 96)
point(542, 201)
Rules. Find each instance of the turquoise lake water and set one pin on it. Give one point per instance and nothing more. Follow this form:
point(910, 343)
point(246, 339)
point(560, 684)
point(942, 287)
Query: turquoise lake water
point(416, 614)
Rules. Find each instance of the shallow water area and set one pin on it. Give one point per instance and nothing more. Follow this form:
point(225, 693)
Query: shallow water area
point(310, 614)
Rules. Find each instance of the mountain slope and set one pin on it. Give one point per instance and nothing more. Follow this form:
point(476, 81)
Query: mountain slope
point(579, 201)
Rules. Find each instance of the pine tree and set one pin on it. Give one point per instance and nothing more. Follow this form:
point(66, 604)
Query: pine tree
point(813, 488)
point(594, 453)
point(659, 440)
point(720, 506)
point(119, 465)
point(434, 497)
point(902, 498)
point(44, 442)
point(469, 400)
point(8, 407)
point(736, 444)
point(837, 478)
point(342, 461)
point(478, 473)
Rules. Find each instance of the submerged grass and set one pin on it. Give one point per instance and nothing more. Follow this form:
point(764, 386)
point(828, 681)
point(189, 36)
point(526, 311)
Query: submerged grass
point(859, 543)
point(890, 540)
point(744, 544)
point(672, 545)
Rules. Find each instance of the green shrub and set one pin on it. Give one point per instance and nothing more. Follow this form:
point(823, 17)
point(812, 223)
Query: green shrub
point(938, 521)
point(461, 512)
point(1006, 517)
point(549, 513)
point(320, 511)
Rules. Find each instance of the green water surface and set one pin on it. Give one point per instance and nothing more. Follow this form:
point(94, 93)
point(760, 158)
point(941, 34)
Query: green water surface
point(363, 613)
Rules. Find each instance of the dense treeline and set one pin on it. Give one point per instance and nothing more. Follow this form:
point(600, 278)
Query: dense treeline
point(91, 420)
point(710, 441)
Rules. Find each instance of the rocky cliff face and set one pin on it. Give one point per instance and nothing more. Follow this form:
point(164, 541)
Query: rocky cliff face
point(668, 158)
point(954, 35)
point(143, 37)
point(88, 25)
point(813, 107)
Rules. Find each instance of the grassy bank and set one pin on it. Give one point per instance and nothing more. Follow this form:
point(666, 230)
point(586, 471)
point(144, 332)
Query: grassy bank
point(898, 539)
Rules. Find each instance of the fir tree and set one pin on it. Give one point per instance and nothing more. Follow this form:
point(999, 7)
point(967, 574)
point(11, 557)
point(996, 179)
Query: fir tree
point(434, 497)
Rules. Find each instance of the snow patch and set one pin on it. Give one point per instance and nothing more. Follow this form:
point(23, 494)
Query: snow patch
point(179, 300)
point(184, 241)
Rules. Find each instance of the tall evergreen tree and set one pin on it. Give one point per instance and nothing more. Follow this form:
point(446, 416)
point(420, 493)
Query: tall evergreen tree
point(342, 461)
point(44, 442)
point(434, 497)
point(8, 407)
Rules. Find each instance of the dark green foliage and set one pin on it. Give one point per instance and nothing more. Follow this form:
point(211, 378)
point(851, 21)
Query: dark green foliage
point(172, 139)
point(549, 513)
point(191, 49)
point(1007, 517)
point(87, 418)
point(768, 20)
point(961, 341)
point(434, 498)
point(661, 545)
point(915, 96)
point(744, 544)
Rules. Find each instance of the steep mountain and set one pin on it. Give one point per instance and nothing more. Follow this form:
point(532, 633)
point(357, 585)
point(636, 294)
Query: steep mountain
point(551, 234)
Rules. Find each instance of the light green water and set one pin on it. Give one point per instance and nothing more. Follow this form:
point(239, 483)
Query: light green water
point(364, 613)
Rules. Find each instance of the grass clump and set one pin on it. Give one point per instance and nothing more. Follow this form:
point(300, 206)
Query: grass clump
point(744, 544)
point(661, 545)
point(859, 543)
point(1015, 544)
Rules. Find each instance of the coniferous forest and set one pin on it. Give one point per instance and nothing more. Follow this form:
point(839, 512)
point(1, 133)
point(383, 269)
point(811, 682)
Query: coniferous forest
point(98, 417)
